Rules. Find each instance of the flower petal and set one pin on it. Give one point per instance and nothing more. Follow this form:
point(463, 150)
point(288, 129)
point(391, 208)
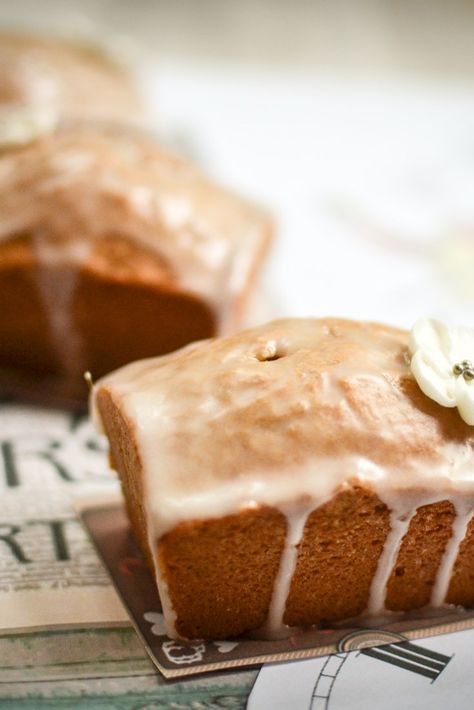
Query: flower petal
point(465, 400)
point(434, 377)
point(429, 334)
point(463, 345)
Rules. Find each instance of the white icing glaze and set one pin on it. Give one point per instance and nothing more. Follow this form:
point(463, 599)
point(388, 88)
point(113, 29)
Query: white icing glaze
point(400, 520)
point(296, 520)
point(169, 613)
point(57, 290)
point(464, 511)
point(220, 429)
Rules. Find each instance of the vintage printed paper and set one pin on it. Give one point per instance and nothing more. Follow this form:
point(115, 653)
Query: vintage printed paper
point(50, 575)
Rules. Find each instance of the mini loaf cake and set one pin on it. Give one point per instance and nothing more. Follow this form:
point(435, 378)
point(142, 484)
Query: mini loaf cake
point(291, 475)
point(62, 80)
point(111, 249)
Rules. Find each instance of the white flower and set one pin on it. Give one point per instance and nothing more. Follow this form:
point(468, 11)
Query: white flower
point(439, 363)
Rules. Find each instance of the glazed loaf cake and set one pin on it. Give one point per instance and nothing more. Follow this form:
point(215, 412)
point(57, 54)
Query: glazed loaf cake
point(111, 249)
point(291, 475)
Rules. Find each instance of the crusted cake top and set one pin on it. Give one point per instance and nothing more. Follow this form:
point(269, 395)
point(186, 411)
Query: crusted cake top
point(290, 409)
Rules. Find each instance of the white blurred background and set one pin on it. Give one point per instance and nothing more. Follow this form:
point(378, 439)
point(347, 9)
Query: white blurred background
point(352, 120)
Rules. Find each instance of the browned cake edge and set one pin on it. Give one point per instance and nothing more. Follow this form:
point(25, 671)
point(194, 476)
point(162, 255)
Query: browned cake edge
point(125, 459)
point(411, 583)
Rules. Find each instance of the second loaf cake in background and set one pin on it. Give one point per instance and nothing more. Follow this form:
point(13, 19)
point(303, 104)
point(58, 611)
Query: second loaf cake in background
point(290, 475)
point(112, 249)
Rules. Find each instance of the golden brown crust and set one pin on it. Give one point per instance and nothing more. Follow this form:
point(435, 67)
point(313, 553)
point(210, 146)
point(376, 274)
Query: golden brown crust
point(141, 319)
point(220, 573)
point(24, 323)
point(414, 574)
point(337, 559)
point(125, 460)
point(124, 306)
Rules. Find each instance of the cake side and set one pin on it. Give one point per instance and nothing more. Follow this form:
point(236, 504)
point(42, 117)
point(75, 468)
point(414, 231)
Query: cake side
point(411, 582)
point(337, 559)
point(220, 573)
point(223, 576)
point(24, 322)
point(96, 309)
point(125, 460)
point(323, 423)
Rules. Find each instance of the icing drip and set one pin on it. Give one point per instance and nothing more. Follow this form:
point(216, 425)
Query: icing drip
point(57, 290)
point(464, 512)
point(400, 520)
point(169, 613)
point(296, 521)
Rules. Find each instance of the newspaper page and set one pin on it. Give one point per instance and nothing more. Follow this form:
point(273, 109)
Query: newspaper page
point(50, 575)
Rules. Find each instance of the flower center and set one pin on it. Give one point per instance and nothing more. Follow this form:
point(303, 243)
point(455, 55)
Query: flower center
point(464, 368)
